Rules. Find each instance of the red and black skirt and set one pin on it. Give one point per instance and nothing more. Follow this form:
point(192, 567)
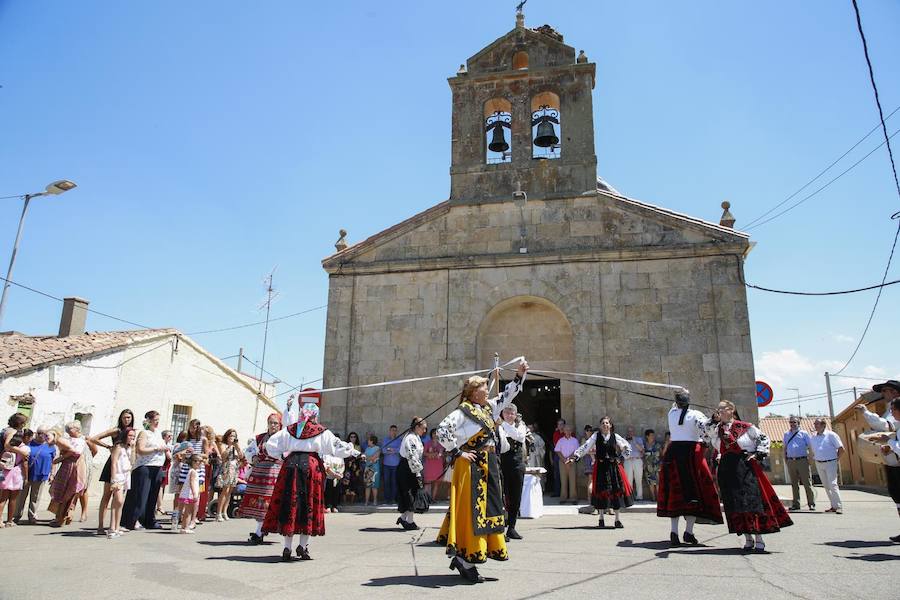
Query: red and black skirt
point(611, 488)
point(751, 504)
point(298, 500)
point(686, 485)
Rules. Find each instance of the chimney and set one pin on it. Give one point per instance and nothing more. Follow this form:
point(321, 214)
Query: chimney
point(74, 315)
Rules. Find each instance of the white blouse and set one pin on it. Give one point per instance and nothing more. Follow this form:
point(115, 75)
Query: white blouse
point(283, 443)
point(515, 432)
point(752, 440)
point(621, 444)
point(412, 450)
point(693, 428)
point(456, 428)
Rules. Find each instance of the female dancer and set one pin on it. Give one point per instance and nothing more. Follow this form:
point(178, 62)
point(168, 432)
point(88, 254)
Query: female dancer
point(474, 525)
point(409, 473)
point(297, 505)
point(512, 465)
point(751, 505)
point(610, 484)
point(125, 421)
point(262, 479)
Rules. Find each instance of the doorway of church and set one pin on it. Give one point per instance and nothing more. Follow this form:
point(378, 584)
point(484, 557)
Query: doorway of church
point(538, 402)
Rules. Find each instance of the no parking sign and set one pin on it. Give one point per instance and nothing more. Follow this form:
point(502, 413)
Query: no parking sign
point(764, 394)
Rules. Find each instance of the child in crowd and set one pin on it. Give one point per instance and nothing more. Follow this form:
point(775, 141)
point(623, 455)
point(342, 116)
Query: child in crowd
point(178, 453)
point(190, 494)
point(13, 474)
point(121, 463)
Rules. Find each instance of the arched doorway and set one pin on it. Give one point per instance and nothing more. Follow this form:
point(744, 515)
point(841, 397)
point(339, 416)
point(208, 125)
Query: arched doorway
point(537, 328)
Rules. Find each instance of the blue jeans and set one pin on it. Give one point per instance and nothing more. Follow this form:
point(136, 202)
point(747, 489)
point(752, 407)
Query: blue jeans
point(389, 475)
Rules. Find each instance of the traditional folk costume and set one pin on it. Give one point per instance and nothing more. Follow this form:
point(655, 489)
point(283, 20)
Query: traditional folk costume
point(611, 488)
point(686, 487)
point(473, 527)
point(887, 423)
point(260, 483)
point(751, 504)
point(512, 466)
point(409, 479)
point(297, 505)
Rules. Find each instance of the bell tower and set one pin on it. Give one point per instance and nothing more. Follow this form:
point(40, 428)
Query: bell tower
point(523, 119)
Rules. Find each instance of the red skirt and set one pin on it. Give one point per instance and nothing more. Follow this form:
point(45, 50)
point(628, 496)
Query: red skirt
point(298, 500)
point(611, 488)
point(686, 485)
point(751, 504)
point(260, 486)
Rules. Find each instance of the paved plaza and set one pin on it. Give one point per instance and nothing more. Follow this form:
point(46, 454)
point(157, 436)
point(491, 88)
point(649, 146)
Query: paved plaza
point(365, 555)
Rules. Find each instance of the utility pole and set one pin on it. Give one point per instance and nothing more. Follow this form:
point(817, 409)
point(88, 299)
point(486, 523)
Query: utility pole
point(799, 411)
point(240, 359)
point(830, 400)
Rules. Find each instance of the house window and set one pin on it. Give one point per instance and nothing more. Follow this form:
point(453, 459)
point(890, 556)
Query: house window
point(181, 416)
point(24, 404)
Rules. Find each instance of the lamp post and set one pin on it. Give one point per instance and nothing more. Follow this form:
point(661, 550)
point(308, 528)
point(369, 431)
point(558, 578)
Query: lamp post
point(54, 189)
point(799, 412)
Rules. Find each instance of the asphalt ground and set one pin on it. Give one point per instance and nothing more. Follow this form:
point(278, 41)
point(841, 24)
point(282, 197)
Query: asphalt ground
point(365, 555)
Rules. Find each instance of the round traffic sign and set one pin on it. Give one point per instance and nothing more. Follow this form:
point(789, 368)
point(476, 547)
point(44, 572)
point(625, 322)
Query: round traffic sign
point(310, 395)
point(764, 394)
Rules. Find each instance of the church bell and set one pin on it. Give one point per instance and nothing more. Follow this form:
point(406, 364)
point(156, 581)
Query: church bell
point(498, 139)
point(546, 134)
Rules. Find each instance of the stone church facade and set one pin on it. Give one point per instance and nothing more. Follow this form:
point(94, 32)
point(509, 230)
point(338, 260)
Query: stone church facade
point(530, 255)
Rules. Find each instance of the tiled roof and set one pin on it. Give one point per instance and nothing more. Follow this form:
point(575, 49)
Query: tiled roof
point(20, 353)
point(776, 427)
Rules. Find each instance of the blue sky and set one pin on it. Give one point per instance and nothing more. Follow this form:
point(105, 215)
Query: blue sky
point(212, 141)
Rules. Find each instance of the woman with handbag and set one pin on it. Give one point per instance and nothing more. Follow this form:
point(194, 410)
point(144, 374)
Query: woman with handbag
point(409, 475)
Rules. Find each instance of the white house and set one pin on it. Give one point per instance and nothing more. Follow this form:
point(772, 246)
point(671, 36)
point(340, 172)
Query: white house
point(91, 377)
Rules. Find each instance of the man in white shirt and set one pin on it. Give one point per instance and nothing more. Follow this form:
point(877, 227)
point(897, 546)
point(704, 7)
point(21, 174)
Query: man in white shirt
point(796, 447)
point(890, 391)
point(827, 449)
point(634, 464)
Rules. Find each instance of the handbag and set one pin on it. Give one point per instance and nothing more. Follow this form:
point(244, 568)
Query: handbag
point(422, 501)
point(7, 461)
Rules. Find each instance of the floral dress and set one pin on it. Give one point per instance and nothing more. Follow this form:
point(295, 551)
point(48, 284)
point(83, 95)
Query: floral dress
point(373, 469)
point(228, 473)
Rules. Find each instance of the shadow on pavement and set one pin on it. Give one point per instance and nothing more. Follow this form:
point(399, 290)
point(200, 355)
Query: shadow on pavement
point(577, 527)
point(79, 533)
point(875, 557)
point(711, 551)
point(242, 544)
point(663, 545)
point(862, 544)
point(380, 529)
point(275, 558)
point(424, 581)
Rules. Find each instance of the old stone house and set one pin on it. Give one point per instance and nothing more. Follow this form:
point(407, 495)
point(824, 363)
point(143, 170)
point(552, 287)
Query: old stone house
point(531, 255)
point(91, 377)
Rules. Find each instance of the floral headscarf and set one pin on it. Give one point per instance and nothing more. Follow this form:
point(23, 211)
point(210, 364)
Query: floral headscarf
point(308, 412)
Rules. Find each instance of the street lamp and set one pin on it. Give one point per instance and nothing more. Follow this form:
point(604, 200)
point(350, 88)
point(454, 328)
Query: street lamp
point(799, 412)
point(54, 189)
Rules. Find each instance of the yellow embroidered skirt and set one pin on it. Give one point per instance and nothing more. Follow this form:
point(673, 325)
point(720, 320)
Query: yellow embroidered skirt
point(474, 526)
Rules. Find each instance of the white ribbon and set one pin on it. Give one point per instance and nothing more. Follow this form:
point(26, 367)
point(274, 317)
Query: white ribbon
point(608, 378)
point(518, 359)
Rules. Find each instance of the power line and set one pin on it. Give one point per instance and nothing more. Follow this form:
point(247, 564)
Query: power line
point(90, 310)
point(799, 202)
point(858, 377)
point(794, 293)
point(822, 172)
point(887, 140)
point(272, 320)
point(8, 197)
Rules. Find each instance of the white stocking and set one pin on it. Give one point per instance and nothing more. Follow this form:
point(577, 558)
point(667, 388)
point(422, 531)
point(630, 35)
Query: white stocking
point(759, 539)
point(674, 525)
point(304, 540)
point(689, 524)
point(259, 528)
point(617, 515)
point(464, 563)
point(408, 516)
point(288, 542)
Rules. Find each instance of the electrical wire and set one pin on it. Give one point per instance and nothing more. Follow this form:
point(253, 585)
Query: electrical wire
point(805, 198)
point(16, 196)
point(296, 314)
point(887, 140)
point(858, 377)
point(822, 172)
point(794, 293)
point(90, 310)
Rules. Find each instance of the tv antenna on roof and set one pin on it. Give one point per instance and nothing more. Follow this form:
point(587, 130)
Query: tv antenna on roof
point(271, 295)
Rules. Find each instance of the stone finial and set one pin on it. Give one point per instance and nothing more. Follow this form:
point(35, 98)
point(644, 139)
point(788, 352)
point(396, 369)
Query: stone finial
point(462, 70)
point(520, 19)
point(582, 57)
point(341, 244)
point(727, 219)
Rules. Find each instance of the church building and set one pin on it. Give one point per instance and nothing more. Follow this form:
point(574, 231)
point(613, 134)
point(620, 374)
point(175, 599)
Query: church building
point(533, 254)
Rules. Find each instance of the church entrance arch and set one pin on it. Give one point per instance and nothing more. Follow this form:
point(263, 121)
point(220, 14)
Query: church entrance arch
point(539, 330)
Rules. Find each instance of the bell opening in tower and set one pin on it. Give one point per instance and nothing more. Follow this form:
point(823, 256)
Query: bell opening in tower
point(546, 128)
point(497, 131)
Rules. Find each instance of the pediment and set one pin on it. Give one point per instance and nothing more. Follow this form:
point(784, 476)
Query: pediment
point(594, 226)
point(544, 46)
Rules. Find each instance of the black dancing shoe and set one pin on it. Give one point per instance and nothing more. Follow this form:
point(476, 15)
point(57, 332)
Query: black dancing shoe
point(255, 540)
point(601, 524)
point(303, 553)
point(512, 534)
point(470, 574)
point(673, 540)
point(895, 538)
point(286, 555)
point(619, 524)
point(690, 539)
